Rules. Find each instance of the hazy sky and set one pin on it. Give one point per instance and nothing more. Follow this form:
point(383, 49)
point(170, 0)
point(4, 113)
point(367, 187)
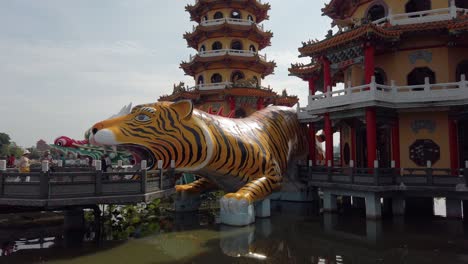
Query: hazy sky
point(66, 64)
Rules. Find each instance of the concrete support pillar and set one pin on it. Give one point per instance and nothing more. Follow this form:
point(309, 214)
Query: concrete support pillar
point(329, 202)
point(262, 208)
point(387, 206)
point(373, 230)
point(346, 202)
point(398, 206)
point(359, 202)
point(74, 219)
point(330, 221)
point(396, 143)
point(419, 206)
point(373, 206)
point(185, 202)
point(465, 211)
point(454, 208)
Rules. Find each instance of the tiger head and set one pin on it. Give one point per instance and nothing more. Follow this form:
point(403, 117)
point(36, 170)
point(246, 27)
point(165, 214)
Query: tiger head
point(160, 131)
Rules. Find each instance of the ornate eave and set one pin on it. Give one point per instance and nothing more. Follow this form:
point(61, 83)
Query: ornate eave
point(201, 33)
point(260, 10)
point(342, 9)
point(305, 72)
point(387, 33)
point(368, 31)
point(248, 91)
point(190, 95)
point(254, 63)
point(286, 100)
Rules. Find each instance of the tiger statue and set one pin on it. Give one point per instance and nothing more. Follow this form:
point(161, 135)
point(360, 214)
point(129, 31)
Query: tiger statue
point(247, 158)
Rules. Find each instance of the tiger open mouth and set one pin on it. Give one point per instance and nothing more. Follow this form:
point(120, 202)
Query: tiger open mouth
point(141, 153)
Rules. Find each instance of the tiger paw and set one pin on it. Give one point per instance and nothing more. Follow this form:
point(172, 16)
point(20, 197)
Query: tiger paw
point(236, 210)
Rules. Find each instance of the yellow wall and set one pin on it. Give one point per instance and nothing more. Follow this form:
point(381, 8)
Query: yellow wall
point(456, 56)
point(227, 43)
point(439, 136)
point(226, 73)
point(227, 13)
point(345, 137)
point(397, 7)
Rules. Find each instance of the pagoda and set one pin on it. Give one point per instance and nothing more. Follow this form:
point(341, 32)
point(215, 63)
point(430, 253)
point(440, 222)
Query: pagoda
point(391, 79)
point(228, 69)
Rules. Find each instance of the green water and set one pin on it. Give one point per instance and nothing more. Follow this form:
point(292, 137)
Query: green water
point(295, 233)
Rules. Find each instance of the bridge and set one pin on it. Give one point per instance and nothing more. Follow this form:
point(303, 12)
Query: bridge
point(74, 187)
point(396, 187)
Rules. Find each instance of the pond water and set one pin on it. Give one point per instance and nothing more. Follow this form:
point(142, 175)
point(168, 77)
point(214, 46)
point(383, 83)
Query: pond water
point(296, 233)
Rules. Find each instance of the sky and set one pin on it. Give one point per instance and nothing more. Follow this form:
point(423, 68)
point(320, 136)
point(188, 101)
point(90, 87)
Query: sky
point(67, 64)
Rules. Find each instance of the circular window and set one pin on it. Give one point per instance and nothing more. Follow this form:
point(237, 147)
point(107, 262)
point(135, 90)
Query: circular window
point(236, 14)
point(216, 78)
point(218, 15)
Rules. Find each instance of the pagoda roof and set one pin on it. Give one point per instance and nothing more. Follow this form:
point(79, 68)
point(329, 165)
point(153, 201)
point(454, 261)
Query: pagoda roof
point(286, 100)
point(341, 9)
point(305, 72)
point(254, 63)
point(367, 31)
point(195, 94)
point(386, 32)
point(252, 32)
point(260, 10)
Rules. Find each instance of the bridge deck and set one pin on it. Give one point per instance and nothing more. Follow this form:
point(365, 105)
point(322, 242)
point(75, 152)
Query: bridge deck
point(423, 181)
point(73, 188)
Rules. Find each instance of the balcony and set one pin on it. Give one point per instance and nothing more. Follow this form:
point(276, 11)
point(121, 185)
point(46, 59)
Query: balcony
point(232, 52)
point(393, 96)
point(220, 86)
point(420, 17)
point(232, 21)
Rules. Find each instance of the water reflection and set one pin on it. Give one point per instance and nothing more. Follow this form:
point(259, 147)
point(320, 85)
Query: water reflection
point(296, 233)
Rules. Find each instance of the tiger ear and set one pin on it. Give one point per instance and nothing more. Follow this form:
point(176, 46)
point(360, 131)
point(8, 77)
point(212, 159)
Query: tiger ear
point(184, 108)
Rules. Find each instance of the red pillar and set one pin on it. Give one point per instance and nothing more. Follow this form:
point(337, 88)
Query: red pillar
point(326, 74)
point(453, 141)
point(369, 62)
point(232, 103)
point(371, 126)
point(312, 86)
point(353, 142)
point(260, 103)
point(396, 143)
point(312, 143)
point(328, 139)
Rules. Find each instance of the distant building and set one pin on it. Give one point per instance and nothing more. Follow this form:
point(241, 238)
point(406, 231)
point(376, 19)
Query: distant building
point(41, 146)
point(404, 66)
point(228, 68)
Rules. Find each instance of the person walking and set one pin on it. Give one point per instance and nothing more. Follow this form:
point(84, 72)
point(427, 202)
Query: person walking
point(23, 163)
point(11, 161)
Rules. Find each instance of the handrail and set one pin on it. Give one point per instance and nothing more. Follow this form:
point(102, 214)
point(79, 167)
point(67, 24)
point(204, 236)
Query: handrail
point(424, 16)
point(234, 21)
point(222, 52)
point(393, 93)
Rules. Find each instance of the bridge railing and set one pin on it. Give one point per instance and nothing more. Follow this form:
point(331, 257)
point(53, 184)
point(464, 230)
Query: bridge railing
point(78, 184)
point(384, 176)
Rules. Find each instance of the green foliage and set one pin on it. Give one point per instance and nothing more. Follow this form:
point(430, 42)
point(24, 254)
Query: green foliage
point(122, 222)
point(4, 139)
point(34, 153)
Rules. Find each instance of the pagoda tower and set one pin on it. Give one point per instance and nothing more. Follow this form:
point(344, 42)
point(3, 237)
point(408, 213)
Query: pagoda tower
point(228, 68)
point(404, 68)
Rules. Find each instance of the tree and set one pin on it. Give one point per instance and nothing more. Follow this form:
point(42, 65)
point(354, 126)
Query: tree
point(4, 139)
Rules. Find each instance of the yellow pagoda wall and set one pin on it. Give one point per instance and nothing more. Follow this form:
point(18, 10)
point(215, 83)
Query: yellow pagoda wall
point(439, 136)
point(226, 73)
point(216, 104)
point(227, 13)
point(455, 57)
point(226, 42)
point(397, 65)
point(397, 7)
